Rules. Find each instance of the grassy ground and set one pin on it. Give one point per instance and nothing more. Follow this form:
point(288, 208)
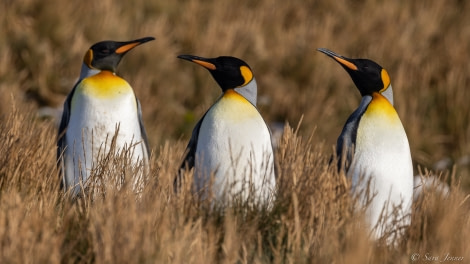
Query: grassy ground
point(423, 45)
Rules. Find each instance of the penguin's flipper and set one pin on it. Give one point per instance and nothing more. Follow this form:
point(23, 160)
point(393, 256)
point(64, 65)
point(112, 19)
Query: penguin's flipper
point(189, 159)
point(344, 148)
point(61, 143)
point(143, 133)
point(190, 152)
point(347, 139)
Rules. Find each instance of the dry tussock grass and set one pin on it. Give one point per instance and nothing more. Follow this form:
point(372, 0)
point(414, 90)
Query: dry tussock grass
point(314, 220)
point(423, 45)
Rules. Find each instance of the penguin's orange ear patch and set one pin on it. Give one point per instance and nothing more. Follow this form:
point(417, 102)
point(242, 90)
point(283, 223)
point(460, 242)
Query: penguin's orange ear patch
point(88, 58)
point(247, 74)
point(385, 79)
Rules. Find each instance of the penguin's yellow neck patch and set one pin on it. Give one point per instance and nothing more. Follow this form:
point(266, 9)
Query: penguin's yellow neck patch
point(381, 106)
point(104, 85)
point(232, 95)
point(234, 107)
point(247, 74)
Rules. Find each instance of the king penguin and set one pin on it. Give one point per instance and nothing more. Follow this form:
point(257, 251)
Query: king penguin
point(373, 148)
point(99, 105)
point(230, 147)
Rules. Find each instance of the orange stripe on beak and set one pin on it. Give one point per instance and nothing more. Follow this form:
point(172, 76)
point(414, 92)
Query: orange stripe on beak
point(205, 64)
point(346, 63)
point(126, 47)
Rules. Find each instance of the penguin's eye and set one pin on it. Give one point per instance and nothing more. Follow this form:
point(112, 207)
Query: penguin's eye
point(369, 70)
point(104, 51)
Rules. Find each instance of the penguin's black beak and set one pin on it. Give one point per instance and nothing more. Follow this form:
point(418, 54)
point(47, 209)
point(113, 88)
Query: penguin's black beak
point(128, 45)
point(204, 62)
point(345, 62)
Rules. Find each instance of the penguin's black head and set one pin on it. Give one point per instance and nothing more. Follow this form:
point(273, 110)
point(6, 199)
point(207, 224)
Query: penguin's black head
point(228, 72)
point(367, 75)
point(106, 55)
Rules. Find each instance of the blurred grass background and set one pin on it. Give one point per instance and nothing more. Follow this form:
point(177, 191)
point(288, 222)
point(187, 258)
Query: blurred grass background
point(424, 45)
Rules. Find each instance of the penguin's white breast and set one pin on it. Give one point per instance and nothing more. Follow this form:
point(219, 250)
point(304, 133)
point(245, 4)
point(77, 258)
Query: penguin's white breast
point(99, 104)
point(381, 142)
point(234, 142)
point(382, 154)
